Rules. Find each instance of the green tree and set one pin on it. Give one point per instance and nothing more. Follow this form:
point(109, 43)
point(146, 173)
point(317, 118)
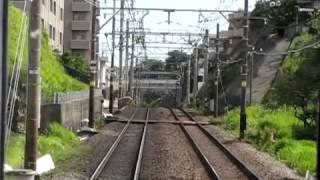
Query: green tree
point(175, 59)
point(153, 65)
point(74, 61)
point(279, 17)
point(299, 82)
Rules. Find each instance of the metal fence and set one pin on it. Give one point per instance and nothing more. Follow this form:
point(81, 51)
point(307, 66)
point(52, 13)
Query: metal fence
point(66, 97)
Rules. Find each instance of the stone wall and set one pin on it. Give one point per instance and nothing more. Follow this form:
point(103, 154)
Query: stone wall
point(69, 114)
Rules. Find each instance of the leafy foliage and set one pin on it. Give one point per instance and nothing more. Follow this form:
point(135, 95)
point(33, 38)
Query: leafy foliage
point(75, 61)
point(58, 142)
point(299, 81)
point(175, 59)
point(298, 152)
point(54, 78)
point(153, 65)
point(280, 16)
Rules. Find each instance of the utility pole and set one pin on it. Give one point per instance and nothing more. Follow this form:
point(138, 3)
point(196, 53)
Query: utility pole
point(188, 80)
point(136, 81)
point(34, 86)
point(318, 135)
point(195, 76)
point(131, 78)
point(3, 85)
point(112, 60)
point(217, 72)
point(92, 71)
point(251, 75)
point(243, 115)
point(121, 47)
point(127, 59)
point(206, 63)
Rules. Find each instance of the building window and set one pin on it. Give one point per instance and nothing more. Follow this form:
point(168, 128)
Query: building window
point(54, 34)
point(43, 2)
point(80, 16)
point(60, 38)
point(55, 8)
point(51, 6)
point(79, 35)
point(61, 14)
point(50, 31)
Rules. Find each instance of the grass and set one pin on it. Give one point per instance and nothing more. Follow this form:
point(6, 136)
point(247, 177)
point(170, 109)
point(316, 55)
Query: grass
point(297, 153)
point(58, 142)
point(54, 78)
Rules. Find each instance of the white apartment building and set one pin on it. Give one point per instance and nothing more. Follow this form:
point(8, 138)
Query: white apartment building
point(52, 19)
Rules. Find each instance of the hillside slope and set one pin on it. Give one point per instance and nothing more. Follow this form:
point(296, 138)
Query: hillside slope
point(54, 77)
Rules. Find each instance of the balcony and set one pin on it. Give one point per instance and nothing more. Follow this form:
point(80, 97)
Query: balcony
point(80, 44)
point(81, 25)
point(81, 6)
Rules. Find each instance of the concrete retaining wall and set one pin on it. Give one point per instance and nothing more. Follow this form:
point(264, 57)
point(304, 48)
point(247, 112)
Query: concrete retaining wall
point(69, 114)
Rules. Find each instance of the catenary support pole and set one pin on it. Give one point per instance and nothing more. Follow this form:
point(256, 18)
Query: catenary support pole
point(127, 60)
point(251, 76)
point(318, 135)
point(243, 115)
point(92, 71)
point(195, 76)
point(216, 109)
point(3, 85)
point(34, 86)
point(121, 48)
point(112, 71)
point(188, 80)
point(206, 64)
point(131, 78)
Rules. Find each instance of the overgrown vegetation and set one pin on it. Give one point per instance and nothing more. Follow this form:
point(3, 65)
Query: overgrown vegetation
point(279, 17)
point(298, 83)
point(54, 78)
point(287, 144)
point(58, 142)
point(175, 60)
point(153, 65)
point(75, 61)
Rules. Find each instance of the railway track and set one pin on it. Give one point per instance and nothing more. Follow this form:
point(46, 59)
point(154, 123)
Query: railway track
point(123, 160)
point(218, 161)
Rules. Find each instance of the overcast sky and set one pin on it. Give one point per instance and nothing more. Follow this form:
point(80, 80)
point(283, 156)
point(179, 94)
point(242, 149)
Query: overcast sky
point(156, 21)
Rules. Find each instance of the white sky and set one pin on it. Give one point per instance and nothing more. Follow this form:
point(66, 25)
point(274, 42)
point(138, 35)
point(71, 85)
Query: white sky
point(155, 21)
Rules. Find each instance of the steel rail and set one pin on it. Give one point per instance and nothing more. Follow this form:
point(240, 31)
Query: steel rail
point(106, 158)
point(204, 160)
point(236, 161)
point(141, 148)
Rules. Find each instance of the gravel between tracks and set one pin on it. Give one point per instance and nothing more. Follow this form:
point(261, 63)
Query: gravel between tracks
point(265, 166)
point(168, 154)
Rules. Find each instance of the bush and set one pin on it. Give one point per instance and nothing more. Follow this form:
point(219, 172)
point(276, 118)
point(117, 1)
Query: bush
point(75, 61)
point(299, 154)
point(291, 138)
point(58, 142)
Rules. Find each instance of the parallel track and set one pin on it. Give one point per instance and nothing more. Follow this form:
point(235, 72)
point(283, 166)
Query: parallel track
point(205, 160)
point(103, 163)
